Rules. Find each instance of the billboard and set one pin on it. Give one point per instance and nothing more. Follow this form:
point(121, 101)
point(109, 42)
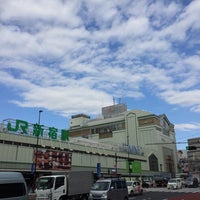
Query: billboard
point(114, 110)
point(47, 159)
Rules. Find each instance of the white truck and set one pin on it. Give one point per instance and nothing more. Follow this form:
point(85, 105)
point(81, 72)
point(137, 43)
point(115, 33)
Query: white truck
point(73, 185)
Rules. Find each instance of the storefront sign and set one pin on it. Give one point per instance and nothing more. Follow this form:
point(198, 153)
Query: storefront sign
point(132, 149)
point(23, 127)
point(133, 166)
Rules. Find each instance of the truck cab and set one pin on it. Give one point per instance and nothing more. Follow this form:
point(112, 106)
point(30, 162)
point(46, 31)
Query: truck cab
point(51, 187)
point(72, 185)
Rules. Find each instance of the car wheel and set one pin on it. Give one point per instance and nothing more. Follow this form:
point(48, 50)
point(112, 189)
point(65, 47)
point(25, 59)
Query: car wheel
point(84, 197)
point(131, 193)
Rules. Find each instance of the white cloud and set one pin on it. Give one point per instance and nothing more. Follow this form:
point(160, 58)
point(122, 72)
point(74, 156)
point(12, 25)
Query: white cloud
point(186, 21)
point(65, 100)
point(195, 108)
point(187, 127)
point(47, 12)
point(159, 12)
point(182, 98)
point(81, 53)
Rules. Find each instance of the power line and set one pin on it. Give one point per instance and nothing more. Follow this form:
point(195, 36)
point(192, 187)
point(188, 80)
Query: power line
point(159, 143)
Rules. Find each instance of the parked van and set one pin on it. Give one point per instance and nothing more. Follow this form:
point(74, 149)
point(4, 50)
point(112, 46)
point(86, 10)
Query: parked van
point(13, 186)
point(112, 189)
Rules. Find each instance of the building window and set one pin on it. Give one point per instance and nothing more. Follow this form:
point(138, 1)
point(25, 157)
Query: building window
point(153, 163)
point(107, 128)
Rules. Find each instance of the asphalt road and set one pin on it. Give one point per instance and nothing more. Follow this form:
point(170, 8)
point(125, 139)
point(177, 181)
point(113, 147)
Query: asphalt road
point(165, 194)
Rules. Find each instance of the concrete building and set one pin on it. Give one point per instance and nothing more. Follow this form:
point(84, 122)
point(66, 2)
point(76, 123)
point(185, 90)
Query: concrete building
point(137, 132)
point(183, 164)
point(132, 143)
point(51, 152)
point(194, 156)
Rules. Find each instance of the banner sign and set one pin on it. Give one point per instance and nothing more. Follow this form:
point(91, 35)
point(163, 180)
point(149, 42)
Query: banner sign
point(133, 166)
point(98, 169)
point(52, 160)
point(23, 127)
point(137, 168)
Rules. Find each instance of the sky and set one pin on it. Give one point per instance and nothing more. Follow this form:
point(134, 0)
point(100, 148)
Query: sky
point(69, 57)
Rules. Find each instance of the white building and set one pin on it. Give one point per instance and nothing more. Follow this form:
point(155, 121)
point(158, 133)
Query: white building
point(137, 132)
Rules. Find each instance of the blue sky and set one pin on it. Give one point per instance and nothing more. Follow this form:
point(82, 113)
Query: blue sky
point(69, 57)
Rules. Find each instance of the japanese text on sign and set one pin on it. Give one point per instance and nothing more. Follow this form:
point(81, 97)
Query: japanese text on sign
point(23, 127)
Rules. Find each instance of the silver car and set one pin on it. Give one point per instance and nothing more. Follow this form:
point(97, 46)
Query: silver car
point(112, 189)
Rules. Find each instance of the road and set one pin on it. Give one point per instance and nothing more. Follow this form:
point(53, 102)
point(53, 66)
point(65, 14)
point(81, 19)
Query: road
point(165, 194)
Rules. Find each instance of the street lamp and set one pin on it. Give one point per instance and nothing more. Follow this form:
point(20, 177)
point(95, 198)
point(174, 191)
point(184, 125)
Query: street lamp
point(40, 111)
point(38, 129)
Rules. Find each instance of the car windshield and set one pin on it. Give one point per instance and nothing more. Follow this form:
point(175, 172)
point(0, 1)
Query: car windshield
point(8, 190)
point(129, 183)
point(101, 186)
point(172, 181)
point(45, 183)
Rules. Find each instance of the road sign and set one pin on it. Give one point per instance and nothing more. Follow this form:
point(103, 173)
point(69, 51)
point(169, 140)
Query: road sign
point(191, 148)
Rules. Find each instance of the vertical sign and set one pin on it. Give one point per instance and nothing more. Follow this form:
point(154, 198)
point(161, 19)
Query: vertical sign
point(98, 169)
point(133, 167)
point(32, 168)
point(136, 166)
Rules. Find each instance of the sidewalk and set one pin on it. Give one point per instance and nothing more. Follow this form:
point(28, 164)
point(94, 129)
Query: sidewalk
point(32, 196)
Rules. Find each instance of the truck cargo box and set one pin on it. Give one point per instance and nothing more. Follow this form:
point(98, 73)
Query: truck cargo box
point(79, 182)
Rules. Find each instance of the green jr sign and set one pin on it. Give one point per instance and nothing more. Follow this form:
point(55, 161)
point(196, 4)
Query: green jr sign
point(23, 127)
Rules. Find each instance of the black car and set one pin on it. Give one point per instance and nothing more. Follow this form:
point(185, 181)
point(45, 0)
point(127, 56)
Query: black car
point(145, 184)
point(191, 182)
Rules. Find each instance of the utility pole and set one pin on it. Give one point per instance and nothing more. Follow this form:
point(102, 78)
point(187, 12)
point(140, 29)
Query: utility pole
point(38, 133)
point(116, 163)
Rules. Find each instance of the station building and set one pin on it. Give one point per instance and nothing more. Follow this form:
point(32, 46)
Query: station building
point(135, 132)
point(131, 143)
point(194, 156)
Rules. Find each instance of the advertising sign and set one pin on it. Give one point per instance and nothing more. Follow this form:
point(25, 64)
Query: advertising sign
point(137, 168)
point(133, 166)
point(47, 159)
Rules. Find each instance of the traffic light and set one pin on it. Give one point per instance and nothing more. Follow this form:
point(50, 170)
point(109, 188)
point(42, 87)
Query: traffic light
point(191, 148)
